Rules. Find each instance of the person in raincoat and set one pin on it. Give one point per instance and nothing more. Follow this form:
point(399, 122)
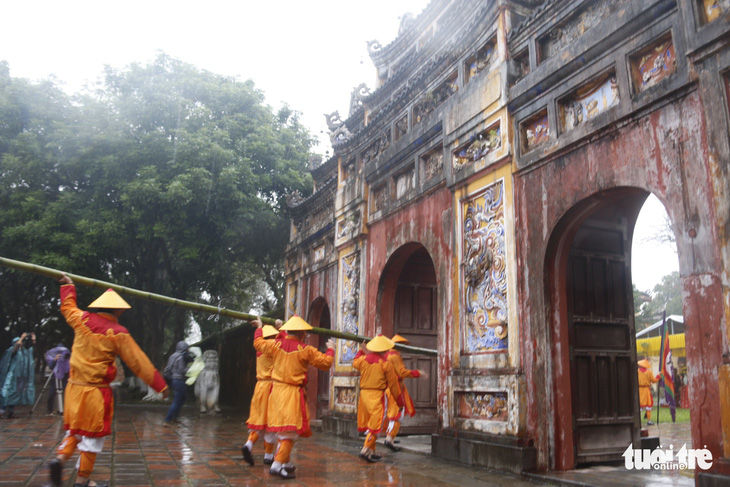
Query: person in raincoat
point(57, 359)
point(177, 367)
point(256, 421)
point(287, 414)
point(646, 379)
point(396, 413)
point(17, 376)
point(376, 376)
point(89, 403)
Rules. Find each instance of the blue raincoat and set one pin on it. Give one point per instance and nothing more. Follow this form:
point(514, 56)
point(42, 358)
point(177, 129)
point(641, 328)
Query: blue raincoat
point(17, 377)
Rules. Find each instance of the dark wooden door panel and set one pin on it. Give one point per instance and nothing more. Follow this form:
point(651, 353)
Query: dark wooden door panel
point(601, 330)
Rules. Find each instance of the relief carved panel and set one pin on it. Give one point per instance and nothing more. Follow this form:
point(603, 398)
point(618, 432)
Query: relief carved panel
point(484, 273)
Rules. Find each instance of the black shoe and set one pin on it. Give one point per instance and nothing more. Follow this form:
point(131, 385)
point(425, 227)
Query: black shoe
point(268, 461)
point(247, 455)
point(86, 484)
point(390, 445)
point(284, 473)
point(55, 468)
point(375, 457)
point(369, 458)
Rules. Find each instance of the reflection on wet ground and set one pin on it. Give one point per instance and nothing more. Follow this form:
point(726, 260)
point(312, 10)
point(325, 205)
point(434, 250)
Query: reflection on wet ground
point(205, 450)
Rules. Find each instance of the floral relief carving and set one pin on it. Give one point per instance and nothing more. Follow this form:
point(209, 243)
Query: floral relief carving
point(433, 163)
point(478, 147)
point(346, 396)
point(378, 199)
point(572, 30)
point(491, 406)
point(432, 99)
point(377, 147)
point(404, 183)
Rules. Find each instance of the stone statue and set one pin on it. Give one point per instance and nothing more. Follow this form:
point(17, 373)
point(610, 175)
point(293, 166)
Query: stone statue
point(207, 386)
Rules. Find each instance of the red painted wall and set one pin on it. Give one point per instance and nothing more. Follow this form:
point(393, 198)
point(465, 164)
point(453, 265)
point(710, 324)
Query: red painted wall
point(665, 153)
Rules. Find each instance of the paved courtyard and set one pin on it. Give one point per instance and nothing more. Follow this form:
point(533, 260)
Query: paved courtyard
point(205, 451)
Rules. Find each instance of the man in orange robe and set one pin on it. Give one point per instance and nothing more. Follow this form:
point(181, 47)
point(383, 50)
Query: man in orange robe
point(395, 413)
point(287, 414)
point(376, 375)
point(260, 403)
point(89, 403)
point(646, 379)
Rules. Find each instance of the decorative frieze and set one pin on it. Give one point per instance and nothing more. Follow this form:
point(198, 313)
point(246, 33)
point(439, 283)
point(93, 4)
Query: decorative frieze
point(404, 182)
point(484, 273)
point(575, 27)
point(348, 227)
point(713, 9)
point(350, 308)
point(400, 127)
point(480, 60)
point(478, 147)
point(434, 98)
point(432, 164)
point(589, 101)
point(653, 64)
point(489, 406)
point(376, 148)
point(293, 299)
point(378, 198)
point(346, 396)
point(534, 131)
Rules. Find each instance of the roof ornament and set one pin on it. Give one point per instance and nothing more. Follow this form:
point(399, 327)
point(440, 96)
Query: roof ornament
point(359, 93)
point(338, 131)
point(405, 21)
point(374, 47)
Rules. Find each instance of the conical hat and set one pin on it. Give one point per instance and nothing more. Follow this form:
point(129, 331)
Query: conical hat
point(380, 344)
point(110, 300)
point(400, 339)
point(269, 331)
point(295, 323)
point(644, 363)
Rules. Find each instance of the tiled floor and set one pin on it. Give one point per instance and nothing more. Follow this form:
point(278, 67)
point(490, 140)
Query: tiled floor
point(206, 452)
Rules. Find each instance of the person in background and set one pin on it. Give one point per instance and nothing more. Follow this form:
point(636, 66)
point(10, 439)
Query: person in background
point(177, 366)
point(88, 410)
point(376, 376)
point(287, 414)
point(57, 359)
point(256, 421)
point(17, 375)
point(646, 379)
point(395, 413)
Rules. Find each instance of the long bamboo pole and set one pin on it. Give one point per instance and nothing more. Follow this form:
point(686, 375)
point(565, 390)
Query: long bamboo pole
point(191, 305)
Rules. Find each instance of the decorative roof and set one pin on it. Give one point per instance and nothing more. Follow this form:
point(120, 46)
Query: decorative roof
point(323, 197)
point(539, 9)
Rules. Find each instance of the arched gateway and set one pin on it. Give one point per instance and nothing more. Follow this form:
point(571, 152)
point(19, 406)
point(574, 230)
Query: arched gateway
point(511, 145)
point(408, 297)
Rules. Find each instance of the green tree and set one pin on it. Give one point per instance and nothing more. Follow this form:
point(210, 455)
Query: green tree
point(667, 295)
point(166, 178)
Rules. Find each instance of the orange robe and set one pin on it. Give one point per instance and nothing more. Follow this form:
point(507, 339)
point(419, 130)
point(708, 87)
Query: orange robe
point(376, 375)
point(646, 379)
point(98, 339)
point(287, 409)
point(393, 356)
point(260, 400)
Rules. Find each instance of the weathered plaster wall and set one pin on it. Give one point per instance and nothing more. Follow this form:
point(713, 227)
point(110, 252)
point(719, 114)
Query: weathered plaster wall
point(664, 152)
point(428, 222)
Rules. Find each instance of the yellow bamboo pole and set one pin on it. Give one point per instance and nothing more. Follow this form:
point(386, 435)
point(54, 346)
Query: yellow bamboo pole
point(191, 305)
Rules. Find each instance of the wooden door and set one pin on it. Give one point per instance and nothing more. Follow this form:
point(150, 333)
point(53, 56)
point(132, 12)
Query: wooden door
point(415, 312)
point(602, 358)
point(323, 376)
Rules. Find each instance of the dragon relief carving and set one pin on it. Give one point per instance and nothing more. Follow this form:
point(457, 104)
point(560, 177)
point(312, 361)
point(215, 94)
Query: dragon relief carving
point(359, 93)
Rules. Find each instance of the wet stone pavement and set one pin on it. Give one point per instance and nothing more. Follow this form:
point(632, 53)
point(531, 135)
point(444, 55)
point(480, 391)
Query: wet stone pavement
point(205, 451)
